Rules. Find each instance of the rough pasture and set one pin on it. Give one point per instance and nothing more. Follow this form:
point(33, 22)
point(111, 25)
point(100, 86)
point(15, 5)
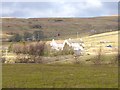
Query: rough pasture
point(59, 76)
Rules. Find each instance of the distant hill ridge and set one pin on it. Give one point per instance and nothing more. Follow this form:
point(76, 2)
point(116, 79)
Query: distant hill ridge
point(62, 26)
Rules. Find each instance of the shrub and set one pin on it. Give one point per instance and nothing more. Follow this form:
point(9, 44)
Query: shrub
point(47, 50)
point(76, 60)
point(10, 47)
point(17, 48)
point(98, 58)
point(3, 60)
point(16, 38)
point(67, 50)
point(38, 35)
point(27, 35)
point(34, 50)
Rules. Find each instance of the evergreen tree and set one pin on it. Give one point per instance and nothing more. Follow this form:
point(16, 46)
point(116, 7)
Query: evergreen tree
point(27, 36)
point(38, 35)
point(16, 38)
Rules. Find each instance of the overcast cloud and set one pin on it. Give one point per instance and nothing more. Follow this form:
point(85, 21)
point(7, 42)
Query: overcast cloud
point(59, 9)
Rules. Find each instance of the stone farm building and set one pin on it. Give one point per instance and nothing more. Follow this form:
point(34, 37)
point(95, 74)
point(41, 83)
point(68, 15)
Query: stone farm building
point(76, 44)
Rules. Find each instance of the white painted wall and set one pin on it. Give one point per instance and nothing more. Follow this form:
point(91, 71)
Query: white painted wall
point(75, 46)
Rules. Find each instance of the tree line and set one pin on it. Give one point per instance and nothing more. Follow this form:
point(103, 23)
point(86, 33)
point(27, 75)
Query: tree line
point(27, 36)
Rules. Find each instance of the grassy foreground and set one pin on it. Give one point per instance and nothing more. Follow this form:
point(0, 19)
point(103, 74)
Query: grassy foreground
point(59, 76)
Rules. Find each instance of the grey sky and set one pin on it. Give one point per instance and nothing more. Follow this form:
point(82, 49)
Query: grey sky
point(59, 9)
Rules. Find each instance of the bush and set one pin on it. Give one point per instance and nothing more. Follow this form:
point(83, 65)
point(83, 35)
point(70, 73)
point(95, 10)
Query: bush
point(17, 48)
point(27, 36)
point(10, 47)
point(38, 35)
point(34, 50)
point(47, 50)
point(67, 50)
point(3, 60)
point(98, 59)
point(16, 38)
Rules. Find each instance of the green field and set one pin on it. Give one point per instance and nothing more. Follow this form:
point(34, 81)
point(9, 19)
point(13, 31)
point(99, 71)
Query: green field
point(59, 76)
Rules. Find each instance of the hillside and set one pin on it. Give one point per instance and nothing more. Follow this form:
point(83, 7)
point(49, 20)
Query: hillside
point(64, 26)
point(93, 44)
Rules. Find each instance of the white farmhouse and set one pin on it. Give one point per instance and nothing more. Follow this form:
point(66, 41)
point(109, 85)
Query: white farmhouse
point(76, 44)
point(56, 46)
